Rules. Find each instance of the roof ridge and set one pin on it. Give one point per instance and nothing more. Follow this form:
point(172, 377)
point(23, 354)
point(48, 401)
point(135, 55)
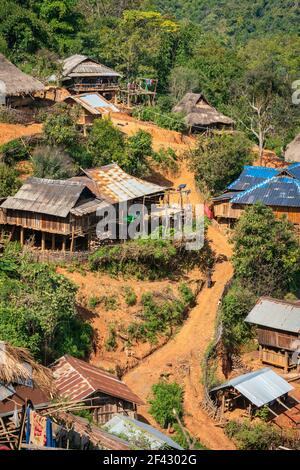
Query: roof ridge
point(248, 191)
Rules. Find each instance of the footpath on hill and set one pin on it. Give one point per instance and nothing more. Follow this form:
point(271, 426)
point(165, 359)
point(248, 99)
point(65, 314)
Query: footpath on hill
point(181, 358)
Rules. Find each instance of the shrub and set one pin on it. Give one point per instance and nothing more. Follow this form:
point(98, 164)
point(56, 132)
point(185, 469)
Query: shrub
point(9, 181)
point(110, 302)
point(93, 302)
point(166, 120)
point(52, 162)
point(60, 126)
point(130, 296)
point(166, 159)
point(111, 342)
point(253, 436)
point(14, 151)
point(166, 397)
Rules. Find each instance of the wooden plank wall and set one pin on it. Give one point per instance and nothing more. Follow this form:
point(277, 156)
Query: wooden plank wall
point(277, 339)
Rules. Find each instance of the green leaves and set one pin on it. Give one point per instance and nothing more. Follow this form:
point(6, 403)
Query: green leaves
point(166, 397)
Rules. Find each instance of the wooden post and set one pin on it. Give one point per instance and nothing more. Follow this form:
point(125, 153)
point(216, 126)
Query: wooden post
point(22, 236)
point(286, 362)
point(43, 241)
point(72, 240)
point(53, 242)
point(260, 353)
point(63, 248)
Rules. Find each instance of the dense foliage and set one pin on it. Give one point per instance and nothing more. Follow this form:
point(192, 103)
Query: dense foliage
point(236, 53)
point(166, 397)
point(9, 181)
point(218, 160)
point(37, 309)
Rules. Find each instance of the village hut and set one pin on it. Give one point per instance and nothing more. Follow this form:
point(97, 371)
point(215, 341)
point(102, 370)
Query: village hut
point(81, 74)
point(252, 391)
point(292, 153)
point(16, 88)
point(22, 379)
point(278, 190)
point(92, 106)
point(278, 331)
point(200, 115)
point(79, 381)
point(58, 214)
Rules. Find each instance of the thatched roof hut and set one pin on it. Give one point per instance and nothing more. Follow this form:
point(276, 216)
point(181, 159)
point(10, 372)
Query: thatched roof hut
point(16, 82)
point(21, 378)
point(292, 153)
point(199, 114)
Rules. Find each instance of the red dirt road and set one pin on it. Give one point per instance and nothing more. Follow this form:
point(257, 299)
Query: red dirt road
point(180, 359)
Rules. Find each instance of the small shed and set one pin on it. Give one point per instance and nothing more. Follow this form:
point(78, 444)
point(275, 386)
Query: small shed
point(82, 74)
point(79, 381)
point(93, 106)
point(139, 434)
point(200, 115)
point(253, 390)
point(278, 331)
point(16, 87)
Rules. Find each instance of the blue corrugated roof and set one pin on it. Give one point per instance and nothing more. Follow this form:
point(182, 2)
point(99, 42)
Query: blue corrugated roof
point(130, 427)
point(278, 191)
point(252, 175)
point(225, 196)
point(260, 387)
point(294, 170)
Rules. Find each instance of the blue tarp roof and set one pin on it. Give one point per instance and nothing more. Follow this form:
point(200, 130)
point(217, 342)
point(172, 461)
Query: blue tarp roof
point(278, 191)
point(130, 427)
point(252, 175)
point(260, 387)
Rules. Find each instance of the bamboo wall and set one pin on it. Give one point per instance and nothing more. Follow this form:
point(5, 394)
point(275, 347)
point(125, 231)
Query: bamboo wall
point(277, 339)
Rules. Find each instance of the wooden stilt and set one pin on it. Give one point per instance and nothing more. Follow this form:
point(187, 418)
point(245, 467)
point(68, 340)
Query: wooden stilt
point(63, 248)
point(22, 236)
point(72, 241)
point(43, 241)
point(53, 242)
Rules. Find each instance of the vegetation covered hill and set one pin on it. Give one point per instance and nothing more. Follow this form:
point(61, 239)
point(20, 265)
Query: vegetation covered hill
point(239, 19)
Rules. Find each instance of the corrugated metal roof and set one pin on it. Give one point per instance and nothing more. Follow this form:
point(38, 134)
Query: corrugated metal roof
point(277, 191)
point(132, 428)
point(260, 387)
point(80, 65)
point(225, 196)
point(77, 380)
point(277, 314)
point(94, 103)
point(96, 435)
point(117, 186)
point(251, 176)
point(89, 207)
point(45, 196)
point(294, 170)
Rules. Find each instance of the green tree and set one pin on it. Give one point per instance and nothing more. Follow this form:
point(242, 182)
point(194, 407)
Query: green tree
point(60, 126)
point(218, 160)
point(9, 181)
point(266, 254)
point(106, 143)
point(52, 162)
point(166, 397)
point(138, 148)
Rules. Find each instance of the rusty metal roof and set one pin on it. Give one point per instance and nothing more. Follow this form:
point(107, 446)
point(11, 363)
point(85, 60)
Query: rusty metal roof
point(117, 186)
point(76, 380)
point(39, 398)
point(45, 196)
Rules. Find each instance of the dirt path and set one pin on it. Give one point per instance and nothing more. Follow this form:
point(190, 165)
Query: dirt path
point(181, 358)
point(14, 131)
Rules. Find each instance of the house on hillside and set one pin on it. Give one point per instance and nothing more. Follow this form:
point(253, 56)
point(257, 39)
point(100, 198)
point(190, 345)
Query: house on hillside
point(79, 381)
point(16, 88)
point(279, 190)
point(252, 391)
point(200, 115)
point(92, 106)
point(278, 331)
point(81, 74)
point(59, 214)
